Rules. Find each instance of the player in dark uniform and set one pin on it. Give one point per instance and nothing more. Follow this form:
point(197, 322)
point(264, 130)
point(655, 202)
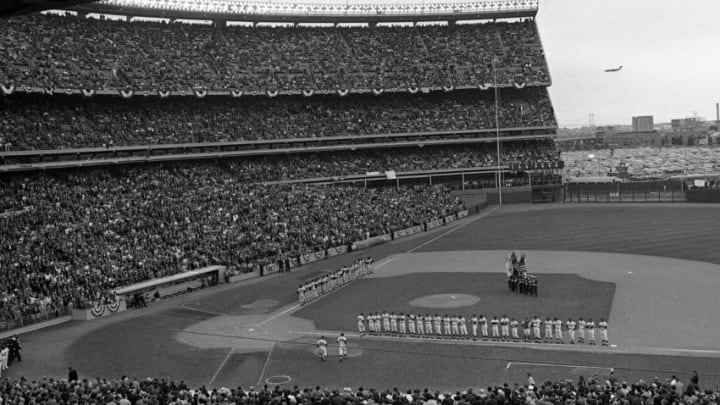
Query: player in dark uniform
point(526, 330)
point(534, 286)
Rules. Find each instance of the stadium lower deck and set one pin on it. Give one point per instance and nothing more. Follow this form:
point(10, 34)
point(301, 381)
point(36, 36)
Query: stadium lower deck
point(662, 320)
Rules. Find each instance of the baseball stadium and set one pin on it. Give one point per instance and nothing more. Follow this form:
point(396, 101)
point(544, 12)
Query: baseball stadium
point(231, 202)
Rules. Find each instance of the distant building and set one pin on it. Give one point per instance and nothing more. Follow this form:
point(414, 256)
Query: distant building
point(690, 131)
point(685, 124)
point(611, 136)
point(643, 123)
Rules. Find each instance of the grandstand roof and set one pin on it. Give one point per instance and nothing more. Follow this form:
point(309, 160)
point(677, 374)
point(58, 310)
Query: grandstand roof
point(13, 7)
point(319, 10)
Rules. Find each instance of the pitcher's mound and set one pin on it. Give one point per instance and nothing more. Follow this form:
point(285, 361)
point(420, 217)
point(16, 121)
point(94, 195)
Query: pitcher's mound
point(445, 301)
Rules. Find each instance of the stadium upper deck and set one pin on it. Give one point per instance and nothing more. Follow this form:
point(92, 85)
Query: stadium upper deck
point(52, 54)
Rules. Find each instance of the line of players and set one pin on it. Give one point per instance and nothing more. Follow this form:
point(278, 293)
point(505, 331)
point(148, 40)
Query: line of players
point(332, 280)
point(503, 329)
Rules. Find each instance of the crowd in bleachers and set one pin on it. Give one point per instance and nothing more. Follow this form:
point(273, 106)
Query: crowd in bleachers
point(314, 165)
point(79, 53)
point(90, 232)
point(54, 122)
point(595, 390)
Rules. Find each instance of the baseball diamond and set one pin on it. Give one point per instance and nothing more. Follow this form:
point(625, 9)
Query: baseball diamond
point(240, 343)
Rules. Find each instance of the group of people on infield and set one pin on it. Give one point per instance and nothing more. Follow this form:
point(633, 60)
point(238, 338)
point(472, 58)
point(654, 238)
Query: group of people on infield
point(502, 329)
point(519, 280)
point(322, 344)
point(332, 280)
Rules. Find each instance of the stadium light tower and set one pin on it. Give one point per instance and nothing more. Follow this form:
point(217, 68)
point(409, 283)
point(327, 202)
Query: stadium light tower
point(497, 133)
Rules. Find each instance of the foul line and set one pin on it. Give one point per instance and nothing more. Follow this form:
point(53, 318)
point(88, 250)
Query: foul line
point(221, 367)
point(279, 314)
point(523, 363)
point(480, 216)
point(398, 255)
point(262, 373)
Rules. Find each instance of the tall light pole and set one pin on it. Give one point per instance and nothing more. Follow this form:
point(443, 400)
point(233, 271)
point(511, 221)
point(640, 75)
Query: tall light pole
point(497, 133)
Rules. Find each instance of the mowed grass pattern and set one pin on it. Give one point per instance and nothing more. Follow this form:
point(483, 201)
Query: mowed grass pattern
point(679, 231)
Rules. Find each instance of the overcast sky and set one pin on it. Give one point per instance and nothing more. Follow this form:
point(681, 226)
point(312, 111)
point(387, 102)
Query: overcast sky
point(670, 51)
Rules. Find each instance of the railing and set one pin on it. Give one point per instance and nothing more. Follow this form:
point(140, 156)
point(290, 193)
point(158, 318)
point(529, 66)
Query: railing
point(629, 192)
point(9, 324)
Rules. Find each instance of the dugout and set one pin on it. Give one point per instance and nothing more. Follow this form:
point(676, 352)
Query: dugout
point(169, 286)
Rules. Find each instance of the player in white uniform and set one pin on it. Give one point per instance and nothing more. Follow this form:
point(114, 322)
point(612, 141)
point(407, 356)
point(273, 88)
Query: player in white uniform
point(429, 320)
point(393, 323)
point(571, 330)
point(494, 323)
point(603, 326)
point(474, 323)
point(463, 326)
point(581, 330)
point(483, 326)
point(437, 322)
point(536, 329)
point(514, 329)
point(590, 325)
point(386, 321)
point(411, 324)
point(548, 330)
point(401, 323)
point(4, 356)
point(361, 323)
point(505, 327)
point(419, 323)
point(455, 323)
point(301, 294)
point(558, 331)
point(322, 348)
point(446, 325)
point(342, 346)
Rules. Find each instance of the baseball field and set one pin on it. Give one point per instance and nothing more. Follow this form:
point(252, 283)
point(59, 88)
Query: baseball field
point(652, 270)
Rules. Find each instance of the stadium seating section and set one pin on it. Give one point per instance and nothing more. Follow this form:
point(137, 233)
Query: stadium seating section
point(55, 122)
point(89, 232)
point(44, 51)
point(84, 232)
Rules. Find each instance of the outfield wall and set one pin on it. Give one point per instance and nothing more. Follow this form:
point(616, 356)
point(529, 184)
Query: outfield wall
point(703, 195)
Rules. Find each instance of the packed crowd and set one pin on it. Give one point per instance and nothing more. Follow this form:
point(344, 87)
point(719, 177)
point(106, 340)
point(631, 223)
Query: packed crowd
point(69, 52)
point(585, 391)
point(339, 164)
point(505, 329)
point(315, 165)
point(57, 122)
point(90, 232)
point(333, 280)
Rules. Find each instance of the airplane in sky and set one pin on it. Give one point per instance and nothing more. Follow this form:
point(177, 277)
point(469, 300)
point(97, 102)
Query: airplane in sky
point(614, 70)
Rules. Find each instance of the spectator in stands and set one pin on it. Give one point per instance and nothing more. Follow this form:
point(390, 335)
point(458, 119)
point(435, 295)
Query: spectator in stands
point(59, 122)
point(166, 391)
point(91, 232)
point(52, 52)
